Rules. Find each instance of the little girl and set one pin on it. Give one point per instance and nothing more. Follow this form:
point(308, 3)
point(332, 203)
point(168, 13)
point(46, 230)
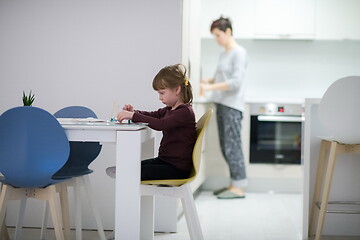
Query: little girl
point(176, 121)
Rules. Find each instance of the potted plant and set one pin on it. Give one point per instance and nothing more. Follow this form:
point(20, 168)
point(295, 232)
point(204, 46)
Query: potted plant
point(28, 100)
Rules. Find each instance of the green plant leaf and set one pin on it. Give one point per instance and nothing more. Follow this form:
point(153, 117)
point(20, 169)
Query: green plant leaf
point(28, 100)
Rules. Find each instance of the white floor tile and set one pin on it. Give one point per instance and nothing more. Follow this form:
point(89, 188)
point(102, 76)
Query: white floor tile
point(260, 216)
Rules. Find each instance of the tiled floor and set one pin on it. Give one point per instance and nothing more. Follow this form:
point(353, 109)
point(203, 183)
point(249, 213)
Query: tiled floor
point(259, 216)
point(34, 234)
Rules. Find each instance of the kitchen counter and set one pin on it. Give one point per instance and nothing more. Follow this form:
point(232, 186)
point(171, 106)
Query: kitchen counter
point(275, 100)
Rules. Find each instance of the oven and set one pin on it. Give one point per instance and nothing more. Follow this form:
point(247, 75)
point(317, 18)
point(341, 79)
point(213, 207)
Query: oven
point(275, 133)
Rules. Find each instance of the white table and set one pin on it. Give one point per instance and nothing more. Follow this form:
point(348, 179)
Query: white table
point(128, 139)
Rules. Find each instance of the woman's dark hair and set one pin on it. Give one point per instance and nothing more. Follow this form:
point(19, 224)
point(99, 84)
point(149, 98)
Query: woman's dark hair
point(221, 24)
point(171, 77)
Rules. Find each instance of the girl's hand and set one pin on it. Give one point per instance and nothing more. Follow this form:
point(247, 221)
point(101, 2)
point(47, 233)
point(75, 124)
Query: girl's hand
point(124, 115)
point(128, 107)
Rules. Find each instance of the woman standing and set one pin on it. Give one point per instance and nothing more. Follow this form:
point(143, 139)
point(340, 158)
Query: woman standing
point(227, 92)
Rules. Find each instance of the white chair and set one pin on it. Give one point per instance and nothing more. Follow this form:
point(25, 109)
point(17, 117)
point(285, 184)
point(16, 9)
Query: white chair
point(339, 112)
point(178, 188)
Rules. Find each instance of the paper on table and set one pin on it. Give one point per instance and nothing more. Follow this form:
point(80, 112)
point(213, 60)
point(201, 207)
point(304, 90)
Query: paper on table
point(79, 120)
point(132, 123)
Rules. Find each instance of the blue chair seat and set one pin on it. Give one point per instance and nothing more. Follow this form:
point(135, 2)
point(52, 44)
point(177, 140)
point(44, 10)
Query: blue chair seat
point(81, 153)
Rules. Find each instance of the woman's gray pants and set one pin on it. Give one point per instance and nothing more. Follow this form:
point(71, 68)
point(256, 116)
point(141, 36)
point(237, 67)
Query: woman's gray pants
point(229, 127)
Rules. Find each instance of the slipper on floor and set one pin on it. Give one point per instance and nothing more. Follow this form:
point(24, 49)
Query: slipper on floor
point(217, 192)
point(229, 195)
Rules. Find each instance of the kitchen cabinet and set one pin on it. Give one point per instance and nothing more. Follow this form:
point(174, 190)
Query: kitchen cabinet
point(338, 20)
point(271, 19)
point(240, 12)
point(284, 19)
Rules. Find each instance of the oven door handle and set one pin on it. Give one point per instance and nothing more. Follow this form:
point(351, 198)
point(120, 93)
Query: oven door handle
point(280, 118)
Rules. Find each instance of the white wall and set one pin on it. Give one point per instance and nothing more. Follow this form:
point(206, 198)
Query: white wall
point(90, 53)
point(290, 69)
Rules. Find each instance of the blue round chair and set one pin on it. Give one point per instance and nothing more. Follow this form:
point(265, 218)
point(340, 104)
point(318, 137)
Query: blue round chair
point(33, 147)
point(81, 153)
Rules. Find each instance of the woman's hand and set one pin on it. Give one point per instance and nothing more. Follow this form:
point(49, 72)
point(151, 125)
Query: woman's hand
point(206, 86)
point(207, 80)
point(124, 115)
point(222, 86)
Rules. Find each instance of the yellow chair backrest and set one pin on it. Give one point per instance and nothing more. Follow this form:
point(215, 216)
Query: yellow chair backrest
point(196, 156)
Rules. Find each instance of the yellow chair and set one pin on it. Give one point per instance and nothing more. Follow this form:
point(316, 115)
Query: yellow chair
point(178, 188)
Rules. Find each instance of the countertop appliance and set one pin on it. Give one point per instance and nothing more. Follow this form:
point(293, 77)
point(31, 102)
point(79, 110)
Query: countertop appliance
point(275, 133)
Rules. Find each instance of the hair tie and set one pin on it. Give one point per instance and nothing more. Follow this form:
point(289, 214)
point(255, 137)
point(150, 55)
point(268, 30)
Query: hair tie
point(186, 81)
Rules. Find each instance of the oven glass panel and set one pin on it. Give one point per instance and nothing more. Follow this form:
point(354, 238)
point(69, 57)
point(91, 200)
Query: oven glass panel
point(275, 142)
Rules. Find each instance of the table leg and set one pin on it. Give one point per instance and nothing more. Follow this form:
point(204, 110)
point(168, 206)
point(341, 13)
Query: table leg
point(127, 198)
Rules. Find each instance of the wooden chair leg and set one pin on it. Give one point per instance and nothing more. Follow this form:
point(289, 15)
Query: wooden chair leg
point(4, 233)
point(4, 197)
point(318, 184)
point(326, 191)
point(54, 209)
point(63, 193)
point(64, 200)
